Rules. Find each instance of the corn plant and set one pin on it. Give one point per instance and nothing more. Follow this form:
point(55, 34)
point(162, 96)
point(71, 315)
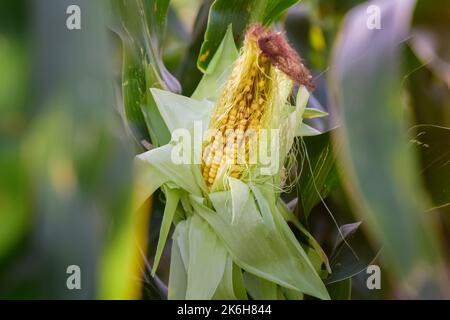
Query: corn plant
point(231, 235)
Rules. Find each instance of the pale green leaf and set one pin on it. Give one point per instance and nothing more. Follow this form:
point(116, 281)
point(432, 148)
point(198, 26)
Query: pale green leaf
point(306, 131)
point(311, 113)
point(239, 196)
point(238, 283)
point(261, 289)
point(180, 112)
point(183, 242)
point(207, 259)
point(155, 167)
point(178, 275)
point(146, 181)
point(293, 121)
point(292, 294)
point(266, 199)
point(263, 204)
point(231, 287)
point(301, 100)
point(172, 199)
point(258, 248)
point(225, 290)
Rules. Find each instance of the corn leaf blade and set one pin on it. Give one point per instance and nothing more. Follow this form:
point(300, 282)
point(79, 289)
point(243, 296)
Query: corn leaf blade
point(267, 252)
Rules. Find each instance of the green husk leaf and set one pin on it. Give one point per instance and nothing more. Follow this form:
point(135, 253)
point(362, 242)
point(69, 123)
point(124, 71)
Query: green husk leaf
point(172, 199)
point(268, 252)
point(292, 294)
point(293, 121)
point(261, 289)
point(306, 131)
point(180, 112)
point(231, 287)
point(238, 283)
point(158, 131)
point(225, 290)
point(267, 203)
point(155, 167)
point(207, 258)
point(178, 275)
point(311, 113)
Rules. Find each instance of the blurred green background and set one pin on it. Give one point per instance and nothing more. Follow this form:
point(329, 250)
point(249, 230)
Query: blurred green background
point(70, 130)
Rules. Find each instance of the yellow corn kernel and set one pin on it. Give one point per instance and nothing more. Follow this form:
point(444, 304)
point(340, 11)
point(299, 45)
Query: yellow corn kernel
point(240, 107)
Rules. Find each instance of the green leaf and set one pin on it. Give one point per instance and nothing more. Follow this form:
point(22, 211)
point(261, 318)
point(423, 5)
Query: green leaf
point(231, 287)
point(294, 117)
point(207, 259)
point(141, 26)
point(279, 214)
point(301, 101)
point(261, 289)
point(238, 283)
point(380, 170)
point(225, 290)
point(133, 92)
point(158, 131)
point(307, 131)
point(178, 274)
point(351, 256)
point(238, 13)
point(180, 112)
point(188, 73)
point(172, 199)
point(311, 113)
point(318, 173)
point(275, 9)
point(218, 69)
point(155, 167)
point(14, 206)
point(262, 249)
point(341, 290)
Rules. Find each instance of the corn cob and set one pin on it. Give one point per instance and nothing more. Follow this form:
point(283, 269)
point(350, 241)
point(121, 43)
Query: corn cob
point(240, 107)
point(245, 105)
